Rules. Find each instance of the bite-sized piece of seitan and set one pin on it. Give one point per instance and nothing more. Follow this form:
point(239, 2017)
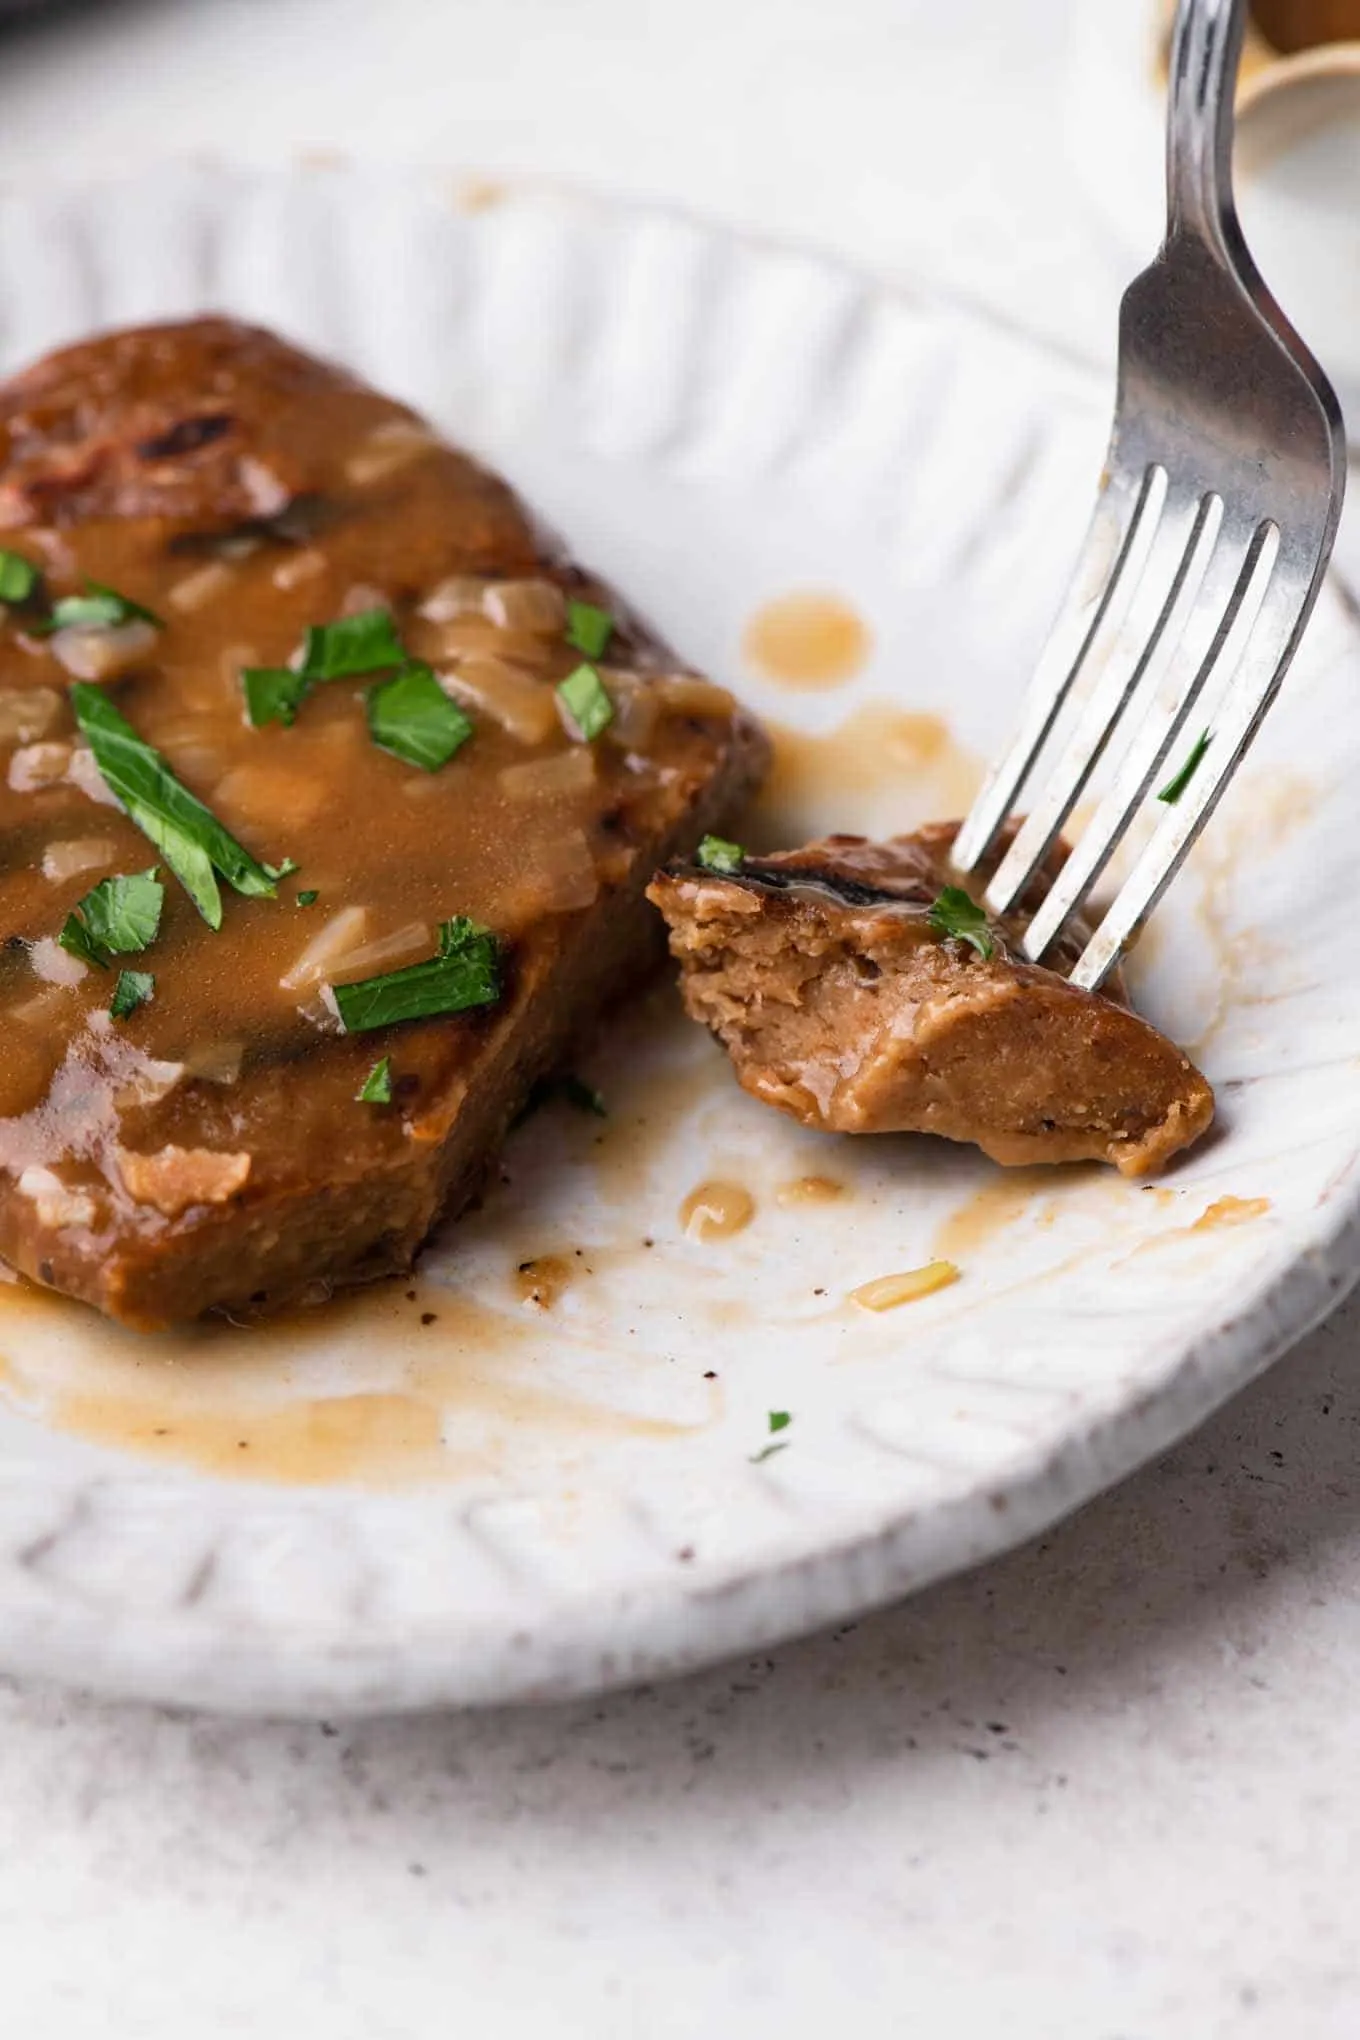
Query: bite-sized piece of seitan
point(201, 1142)
point(839, 1000)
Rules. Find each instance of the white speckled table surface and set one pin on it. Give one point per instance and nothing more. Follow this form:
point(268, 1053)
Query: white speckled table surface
point(1105, 1788)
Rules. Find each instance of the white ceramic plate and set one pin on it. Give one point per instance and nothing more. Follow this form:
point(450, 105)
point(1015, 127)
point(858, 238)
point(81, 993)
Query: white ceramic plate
point(516, 1501)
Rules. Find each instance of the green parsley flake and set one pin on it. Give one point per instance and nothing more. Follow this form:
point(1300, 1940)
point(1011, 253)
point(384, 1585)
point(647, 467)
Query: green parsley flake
point(583, 696)
point(589, 628)
point(120, 916)
point(955, 913)
point(582, 1095)
point(307, 898)
point(376, 1088)
point(189, 837)
point(99, 608)
point(133, 989)
point(714, 854)
point(779, 1421)
point(273, 694)
point(352, 645)
point(412, 717)
point(18, 577)
point(1174, 788)
point(462, 975)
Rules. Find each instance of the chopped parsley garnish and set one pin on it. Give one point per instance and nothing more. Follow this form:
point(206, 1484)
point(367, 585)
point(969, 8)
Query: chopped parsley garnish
point(97, 609)
point(1174, 788)
point(376, 1088)
point(583, 696)
point(954, 913)
point(352, 645)
point(779, 1421)
point(133, 989)
point(308, 897)
point(284, 870)
point(343, 650)
point(119, 917)
point(189, 836)
point(582, 1095)
point(412, 717)
point(463, 974)
point(589, 628)
point(18, 576)
point(273, 694)
point(715, 854)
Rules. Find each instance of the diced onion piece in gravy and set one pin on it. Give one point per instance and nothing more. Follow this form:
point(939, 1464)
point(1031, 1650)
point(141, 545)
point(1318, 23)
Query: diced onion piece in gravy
point(266, 795)
point(345, 931)
point(102, 651)
point(564, 773)
point(266, 493)
point(80, 854)
point(84, 773)
point(147, 1081)
point(42, 1009)
point(688, 694)
point(216, 1062)
point(561, 878)
point(388, 448)
point(637, 708)
point(57, 1203)
point(363, 595)
point(472, 635)
point(460, 595)
point(388, 952)
point(521, 705)
point(201, 587)
point(537, 606)
point(39, 765)
point(28, 713)
point(53, 964)
point(300, 568)
point(174, 1178)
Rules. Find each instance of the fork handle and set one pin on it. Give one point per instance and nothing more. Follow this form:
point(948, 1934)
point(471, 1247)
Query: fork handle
point(1205, 50)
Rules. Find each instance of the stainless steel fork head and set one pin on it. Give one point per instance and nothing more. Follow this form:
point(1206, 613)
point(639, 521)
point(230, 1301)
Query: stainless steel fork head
point(1212, 532)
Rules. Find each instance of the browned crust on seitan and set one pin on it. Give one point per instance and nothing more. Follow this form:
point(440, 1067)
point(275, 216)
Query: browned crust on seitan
point(838, 1001)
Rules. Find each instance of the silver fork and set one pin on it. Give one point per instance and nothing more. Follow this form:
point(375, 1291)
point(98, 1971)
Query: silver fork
point(1214, 525)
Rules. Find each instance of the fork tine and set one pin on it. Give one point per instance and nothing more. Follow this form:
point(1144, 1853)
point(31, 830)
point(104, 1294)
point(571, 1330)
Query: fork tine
point(1230, 599)
point(1279, 624)
point(1111, 561)
point(1129, 668)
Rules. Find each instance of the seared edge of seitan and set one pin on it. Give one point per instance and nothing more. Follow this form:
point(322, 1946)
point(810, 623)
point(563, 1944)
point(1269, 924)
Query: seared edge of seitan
point(842, 1003)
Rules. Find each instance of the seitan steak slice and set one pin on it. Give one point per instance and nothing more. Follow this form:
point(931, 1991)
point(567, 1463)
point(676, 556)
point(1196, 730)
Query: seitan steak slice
point(840, 1001)
point(205, 1146)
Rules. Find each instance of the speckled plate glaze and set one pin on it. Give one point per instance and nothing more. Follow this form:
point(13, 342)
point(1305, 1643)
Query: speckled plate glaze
point(559, 1494)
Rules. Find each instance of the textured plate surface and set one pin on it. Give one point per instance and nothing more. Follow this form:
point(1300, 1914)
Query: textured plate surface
point(714, 424)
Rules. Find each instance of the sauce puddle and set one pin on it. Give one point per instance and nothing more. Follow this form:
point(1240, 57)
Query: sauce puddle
point(884, 770)
point(807, 640)
point(403, 1383)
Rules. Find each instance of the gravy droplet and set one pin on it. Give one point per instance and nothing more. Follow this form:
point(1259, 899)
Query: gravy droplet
point(889, 1291)
point(715, 1211)
point(807, 640)
point(811, 1190)
point(542, 1281)
point(1230, 1211)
